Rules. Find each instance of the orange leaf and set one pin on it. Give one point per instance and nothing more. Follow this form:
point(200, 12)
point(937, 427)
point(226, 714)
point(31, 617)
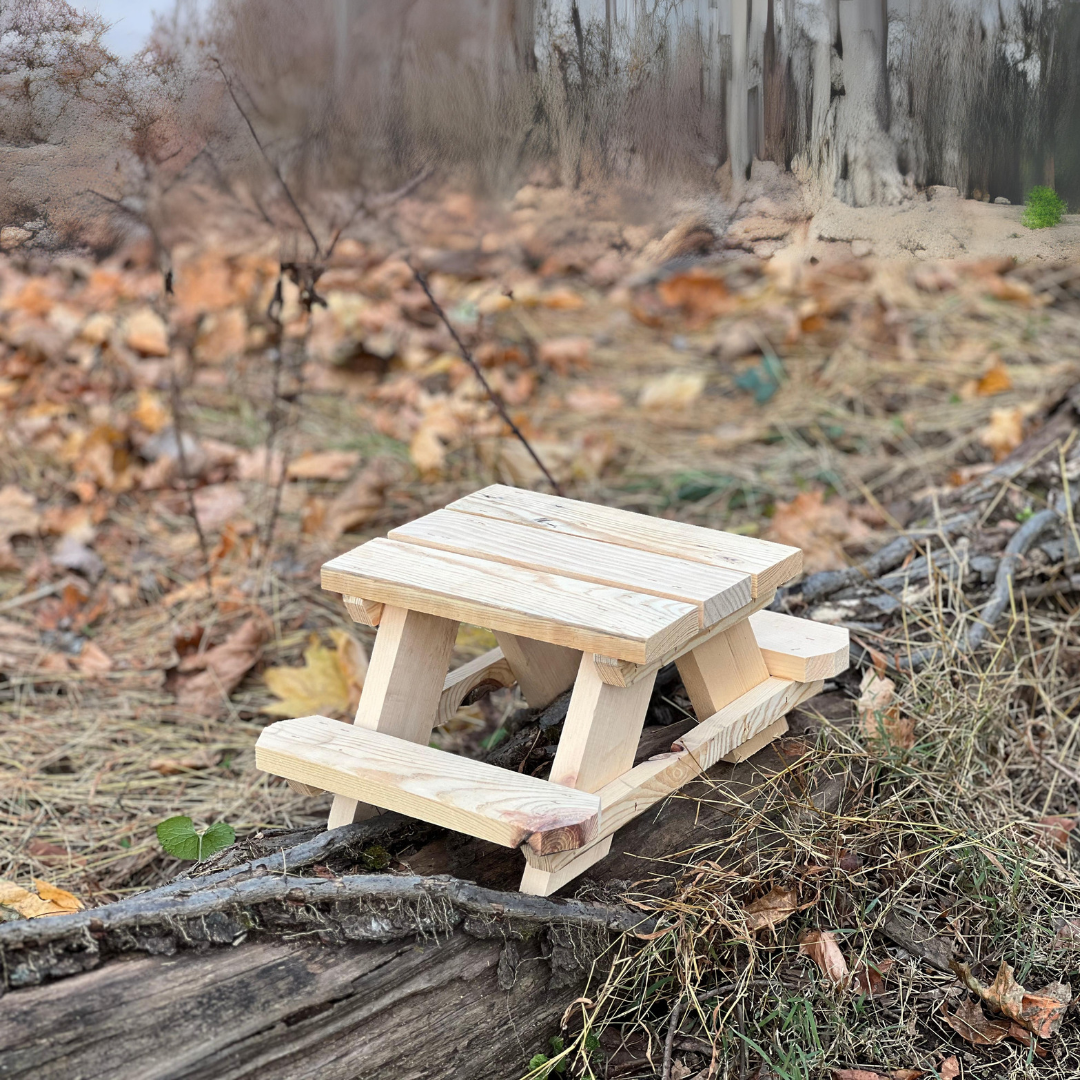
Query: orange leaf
point(55, 895)
point(995, 380)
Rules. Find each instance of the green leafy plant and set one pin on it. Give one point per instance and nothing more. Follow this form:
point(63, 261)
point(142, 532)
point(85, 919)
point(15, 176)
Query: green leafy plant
point(538, 1061)
point(178, 837)
point(1043, 208)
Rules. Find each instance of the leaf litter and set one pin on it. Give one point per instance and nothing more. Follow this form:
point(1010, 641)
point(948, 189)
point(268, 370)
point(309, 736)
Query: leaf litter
point(772, 400)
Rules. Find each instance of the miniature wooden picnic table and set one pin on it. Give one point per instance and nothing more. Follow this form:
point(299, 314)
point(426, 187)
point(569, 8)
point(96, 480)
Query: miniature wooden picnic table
point(578, 595)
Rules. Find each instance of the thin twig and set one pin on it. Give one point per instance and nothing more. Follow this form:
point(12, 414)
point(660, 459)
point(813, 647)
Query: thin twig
point(470, 360)
point(181, 455)
point(669, 1042)
point(266, 157)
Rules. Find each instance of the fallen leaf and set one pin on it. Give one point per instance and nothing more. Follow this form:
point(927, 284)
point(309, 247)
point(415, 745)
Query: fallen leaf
point(971, 1023)
point(361, 500)
point(1067, 934)
point(995, 380)
point(822, 947)
point(563, 300)
point(594, 400)
point(18, 517)
point(93, 660)
point(771, 909)
point(146, 333)
point(325, 465)
point(822, 529)
point(675, 390)
point(150, 412)
point(857, 1074)
point(428, 453)
point(1005, 432)
point(1040, 1011)
point(55, 895)
point(879, 717)
point(949, 1068)
point(869, 977)
point(200, 759)
point(565, 354)
point(700, 296)
point(327, 684)
point(204, 680)
point(255, 465)
point(1056, 830)
point(218, 504)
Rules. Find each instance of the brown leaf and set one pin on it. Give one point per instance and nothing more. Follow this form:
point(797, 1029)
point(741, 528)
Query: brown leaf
point(218, 504)
point(146, 333)
point(18, 516)
point(857, 1074)
point(971, 1023)
point(1040, 1012)
point(200, 759)
point(822, 947)
point(1056, 830)
point(771, 909)
point(869, 977)
point(93, 660)
point(565, 354)
point(949, 1068)
point(150, 412)
point(822, 529)
point(55, 895)
point(205, 679)
point(675, 390)
point(700, 295)
point(879, 717)
point(325, 465)
point(361, 500)
point(1005, 432)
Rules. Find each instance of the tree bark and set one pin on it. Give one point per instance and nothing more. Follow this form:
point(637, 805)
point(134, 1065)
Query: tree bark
point(254, 971)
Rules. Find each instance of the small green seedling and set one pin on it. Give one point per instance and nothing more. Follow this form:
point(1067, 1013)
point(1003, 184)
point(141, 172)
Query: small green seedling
point(1043, 209)
point(179, 838)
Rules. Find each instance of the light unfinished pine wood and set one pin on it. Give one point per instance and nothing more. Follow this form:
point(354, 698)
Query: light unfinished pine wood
point(716, 591)
point(366, 612)
point(560, 610)
point(627, 796)
point(599, 738)
point(757, 742)
point(401, 692)
point(537, 881)
point(507, 808)
point(800, 648)
point(305, 789)
point(489, 671)
point(624, 673)
point(767, 564)
point(722, 669)
point(542, 671)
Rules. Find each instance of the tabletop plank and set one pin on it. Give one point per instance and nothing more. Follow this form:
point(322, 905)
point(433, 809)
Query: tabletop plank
point(547, 607)
point(505, 807)
point(717, 591)
point(767, 564)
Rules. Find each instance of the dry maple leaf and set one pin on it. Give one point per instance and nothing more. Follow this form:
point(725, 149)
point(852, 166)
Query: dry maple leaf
point(48, 900)
point(822, 947)
point(328, 683)
point(204, 680)
point(822, 529)
point(771, 909)
point(1040, 1011)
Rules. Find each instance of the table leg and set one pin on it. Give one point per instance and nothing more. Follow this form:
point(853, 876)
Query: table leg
point(401, 693)
point(598, 743)
point(722, 669)
point(543, 671)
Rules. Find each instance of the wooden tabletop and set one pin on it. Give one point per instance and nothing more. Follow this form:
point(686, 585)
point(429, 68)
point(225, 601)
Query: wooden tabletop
point(571, 573)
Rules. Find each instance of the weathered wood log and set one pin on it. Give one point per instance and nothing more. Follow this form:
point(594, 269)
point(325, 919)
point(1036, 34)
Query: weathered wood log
point(256, 970)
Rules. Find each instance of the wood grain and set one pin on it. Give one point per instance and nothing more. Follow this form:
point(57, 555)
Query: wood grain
point(767, 564)
point(721, 669)
point(563, 611)
point(624, 673)
point(800, 648)
point(404, 684)
point(365, 612)
point(490, 670)
point(716, 591)
point(543, 671)
point(507, 808)
point(624, 798)
point(757, 742)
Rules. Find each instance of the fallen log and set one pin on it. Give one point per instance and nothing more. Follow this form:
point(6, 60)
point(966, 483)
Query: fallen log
point(291, 965)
